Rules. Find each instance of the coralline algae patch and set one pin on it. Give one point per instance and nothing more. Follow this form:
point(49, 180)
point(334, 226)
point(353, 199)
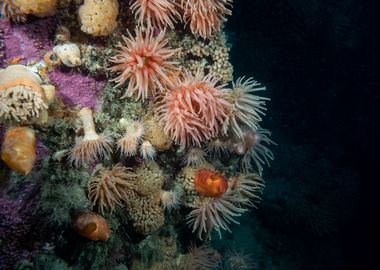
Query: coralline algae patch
point(26, 42)
point(76, 89)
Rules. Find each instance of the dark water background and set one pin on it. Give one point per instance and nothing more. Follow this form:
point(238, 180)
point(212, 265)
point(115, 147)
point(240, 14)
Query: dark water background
point(318, 59)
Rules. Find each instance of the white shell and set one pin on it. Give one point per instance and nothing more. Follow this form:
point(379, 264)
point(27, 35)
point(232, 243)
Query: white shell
point(69, 54)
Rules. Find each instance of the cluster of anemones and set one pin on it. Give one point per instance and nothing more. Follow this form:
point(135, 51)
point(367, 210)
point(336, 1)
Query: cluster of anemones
point(193, 109)
point(205, 17)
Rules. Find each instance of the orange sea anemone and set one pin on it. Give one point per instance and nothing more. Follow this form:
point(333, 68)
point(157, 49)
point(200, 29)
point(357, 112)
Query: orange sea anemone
point(155, 13)
point(205, 16)
point(210, 183)
point(194, 110)
point(144, 62)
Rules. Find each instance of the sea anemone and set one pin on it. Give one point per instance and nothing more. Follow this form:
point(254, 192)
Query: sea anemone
point(205, 16)
point(238, 260)
point(216, 214)
point(210, 183)
point(92, 147)
point(194, 110)
point(217, 148)
point(246, 107)
point(109, 188)
point(257, 150)
point(169, 200)
point(147, 150)
point(21, 94)
point(144, 62)
point(195, 156)
point(202, 257)
point(248, 185)
point(133, 135)
point(11, 11)
point(155, 13)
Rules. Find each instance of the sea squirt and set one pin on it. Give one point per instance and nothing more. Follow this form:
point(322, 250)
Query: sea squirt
point(19, 149)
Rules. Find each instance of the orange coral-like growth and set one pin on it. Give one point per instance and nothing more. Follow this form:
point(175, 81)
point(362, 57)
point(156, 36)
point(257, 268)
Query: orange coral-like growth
point(144, 62)
point(205, 16)
point(194, 110)
point(155, 13)
point(210, 183)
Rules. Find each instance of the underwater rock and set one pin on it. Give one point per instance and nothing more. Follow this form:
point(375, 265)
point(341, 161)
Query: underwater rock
point(19, 149)
point(26, 42)
point(92, 226)
point(76, 89)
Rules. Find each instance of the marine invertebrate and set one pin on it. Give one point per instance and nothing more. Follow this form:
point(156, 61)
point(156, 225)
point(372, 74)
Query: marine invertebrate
point(194, 156)
point(205, 16)
point(98, 18)
point(246, 108)
point(254, 147)
point(69, 54)
point(202, 257)
point(155, 13)
point(21, 94)
point(12, 12)
point(238, 260)
point(215, 214)
point(92, 147)
point(169, 200)
point(39, 8)
point(144, 208)
point(210, 183)
point(91, 226)
point(147, 150)
point(217, 148)
point(154, 133)
point(144, 61)
point(18, 149)
point(109, 188)
point(194, 110)
point(248, 185)
point(134, 132)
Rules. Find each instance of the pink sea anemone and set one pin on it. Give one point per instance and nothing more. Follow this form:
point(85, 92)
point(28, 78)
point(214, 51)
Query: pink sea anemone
point(205, 16)
point(194, 110)
point(155, 13)
point(144, 62)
